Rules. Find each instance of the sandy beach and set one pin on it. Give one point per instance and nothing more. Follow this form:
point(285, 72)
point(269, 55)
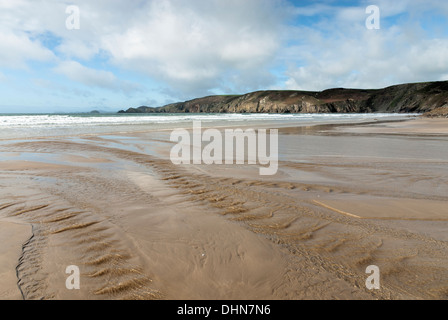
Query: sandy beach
point(139, 227)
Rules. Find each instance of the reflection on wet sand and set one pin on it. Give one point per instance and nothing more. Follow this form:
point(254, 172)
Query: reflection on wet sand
point(139, 227)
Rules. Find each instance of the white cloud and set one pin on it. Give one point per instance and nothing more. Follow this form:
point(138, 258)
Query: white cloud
point(343, 53)
point(94, 78)
point(190, 46)
point(17, 48)
point(196, 45)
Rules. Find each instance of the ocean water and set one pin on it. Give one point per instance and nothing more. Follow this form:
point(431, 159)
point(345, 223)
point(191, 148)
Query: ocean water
point(18, 126)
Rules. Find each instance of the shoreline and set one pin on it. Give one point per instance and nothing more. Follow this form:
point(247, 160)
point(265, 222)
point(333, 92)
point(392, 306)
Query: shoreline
point(141, 228)
point(187, 124)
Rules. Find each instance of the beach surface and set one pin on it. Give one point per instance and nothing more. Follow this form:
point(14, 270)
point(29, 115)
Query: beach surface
point(345, 197)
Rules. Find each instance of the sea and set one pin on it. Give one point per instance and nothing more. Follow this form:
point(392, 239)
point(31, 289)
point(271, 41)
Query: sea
point(20, 126)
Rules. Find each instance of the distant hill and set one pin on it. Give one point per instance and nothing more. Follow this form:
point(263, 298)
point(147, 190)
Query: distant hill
point(405, 98)
point(138, 110)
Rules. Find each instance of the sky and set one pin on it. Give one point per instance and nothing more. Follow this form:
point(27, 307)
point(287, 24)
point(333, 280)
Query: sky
point(108, 55)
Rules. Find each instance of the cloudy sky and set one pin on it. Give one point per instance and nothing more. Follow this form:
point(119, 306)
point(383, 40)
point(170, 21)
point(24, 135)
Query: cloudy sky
point(127, 53)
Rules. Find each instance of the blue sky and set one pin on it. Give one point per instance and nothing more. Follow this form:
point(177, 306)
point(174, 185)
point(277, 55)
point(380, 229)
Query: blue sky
point(142, 52)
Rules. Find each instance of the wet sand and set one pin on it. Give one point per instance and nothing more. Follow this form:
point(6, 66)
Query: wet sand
point(139, 227)
point(12, 236)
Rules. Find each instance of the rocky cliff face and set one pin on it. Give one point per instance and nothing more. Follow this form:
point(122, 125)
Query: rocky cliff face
point(406, 98)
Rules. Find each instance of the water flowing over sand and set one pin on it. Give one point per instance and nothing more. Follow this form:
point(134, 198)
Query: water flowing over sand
point(138, 227)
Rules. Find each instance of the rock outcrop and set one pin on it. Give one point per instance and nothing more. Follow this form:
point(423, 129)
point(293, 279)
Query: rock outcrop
point(441, 112)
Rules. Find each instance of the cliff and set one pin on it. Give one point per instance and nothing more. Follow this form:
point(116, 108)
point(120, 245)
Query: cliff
point(405, 98)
